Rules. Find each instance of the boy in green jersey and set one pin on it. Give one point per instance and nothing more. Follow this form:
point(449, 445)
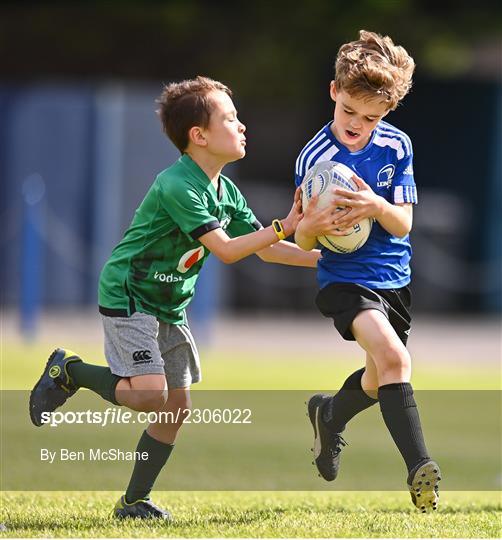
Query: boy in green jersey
point(190, 210)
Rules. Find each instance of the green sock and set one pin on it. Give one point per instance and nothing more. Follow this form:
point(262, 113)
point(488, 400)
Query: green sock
point(99, 379)
point(146, 471)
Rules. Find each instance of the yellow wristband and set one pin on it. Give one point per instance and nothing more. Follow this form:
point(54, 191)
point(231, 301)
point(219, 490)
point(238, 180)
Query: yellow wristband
point(278, 229)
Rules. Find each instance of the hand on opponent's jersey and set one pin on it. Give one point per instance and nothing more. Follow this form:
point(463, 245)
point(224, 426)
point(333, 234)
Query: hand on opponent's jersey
point(364, 203)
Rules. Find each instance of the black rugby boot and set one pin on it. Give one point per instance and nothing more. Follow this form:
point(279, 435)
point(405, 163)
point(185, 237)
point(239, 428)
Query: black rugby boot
point(327, 444)
point(423, 483)
point(140, 509)
point(54, 386)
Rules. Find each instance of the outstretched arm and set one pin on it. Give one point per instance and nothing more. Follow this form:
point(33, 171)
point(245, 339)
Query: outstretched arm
point(289, 253)
point(230, 250)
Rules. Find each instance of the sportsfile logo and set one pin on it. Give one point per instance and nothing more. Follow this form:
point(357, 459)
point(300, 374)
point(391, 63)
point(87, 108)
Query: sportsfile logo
point(142, 357)
point(385, 175)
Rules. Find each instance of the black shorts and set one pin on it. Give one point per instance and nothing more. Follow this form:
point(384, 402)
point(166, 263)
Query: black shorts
point(343, 301)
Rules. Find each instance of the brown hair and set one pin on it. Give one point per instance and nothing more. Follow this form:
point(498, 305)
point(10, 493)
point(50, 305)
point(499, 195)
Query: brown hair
point(374, 67)
point(186, 104)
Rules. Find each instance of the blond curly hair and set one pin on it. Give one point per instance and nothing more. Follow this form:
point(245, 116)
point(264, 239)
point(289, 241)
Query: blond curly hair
point(373, 67)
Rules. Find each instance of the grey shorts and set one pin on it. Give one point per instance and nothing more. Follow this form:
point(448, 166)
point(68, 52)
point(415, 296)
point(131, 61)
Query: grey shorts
point(142, 345)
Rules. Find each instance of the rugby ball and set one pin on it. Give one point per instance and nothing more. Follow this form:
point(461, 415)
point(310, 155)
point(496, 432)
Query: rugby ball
point(320, 180)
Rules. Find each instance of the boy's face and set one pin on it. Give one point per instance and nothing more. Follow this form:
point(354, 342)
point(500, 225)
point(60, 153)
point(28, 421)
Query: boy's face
point(225, 134)
point(355, 118)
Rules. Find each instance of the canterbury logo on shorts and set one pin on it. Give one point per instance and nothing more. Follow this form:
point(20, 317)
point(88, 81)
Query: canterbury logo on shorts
point(142, 357)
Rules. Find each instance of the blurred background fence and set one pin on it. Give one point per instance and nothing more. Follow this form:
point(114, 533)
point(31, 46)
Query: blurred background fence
point(80, 142)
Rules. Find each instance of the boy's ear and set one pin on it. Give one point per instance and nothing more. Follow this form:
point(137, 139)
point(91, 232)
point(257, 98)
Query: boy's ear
point(196, 136)
point(332, 90)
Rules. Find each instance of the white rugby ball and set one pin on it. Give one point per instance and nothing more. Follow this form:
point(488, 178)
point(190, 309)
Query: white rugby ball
point(320, 180)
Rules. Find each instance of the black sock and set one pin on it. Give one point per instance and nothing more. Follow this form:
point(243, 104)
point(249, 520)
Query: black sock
point(99, 379)
point(350, 400)
point(400, 414)
point(145, 472)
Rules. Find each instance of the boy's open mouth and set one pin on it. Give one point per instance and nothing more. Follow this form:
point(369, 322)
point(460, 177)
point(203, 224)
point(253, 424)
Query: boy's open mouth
point(351, 134)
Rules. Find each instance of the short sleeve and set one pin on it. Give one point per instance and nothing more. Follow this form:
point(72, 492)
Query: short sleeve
point(243, 219)
point(186, 207)
point(299, 171)
point(298, 180)
point(241, 227)
point(404, 189)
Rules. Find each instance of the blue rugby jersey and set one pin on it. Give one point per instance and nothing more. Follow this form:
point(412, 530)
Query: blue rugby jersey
point(386, 165)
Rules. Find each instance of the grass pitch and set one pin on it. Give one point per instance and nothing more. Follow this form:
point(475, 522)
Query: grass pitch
point(253, 514)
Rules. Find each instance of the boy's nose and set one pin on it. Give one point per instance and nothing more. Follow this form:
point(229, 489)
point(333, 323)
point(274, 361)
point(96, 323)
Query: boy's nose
point(242, 127)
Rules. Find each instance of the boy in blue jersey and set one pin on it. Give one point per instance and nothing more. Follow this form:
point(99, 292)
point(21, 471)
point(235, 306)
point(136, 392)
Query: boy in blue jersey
point(367, 292)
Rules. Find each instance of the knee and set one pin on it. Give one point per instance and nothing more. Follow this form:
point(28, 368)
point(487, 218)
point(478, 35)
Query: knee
point(150, 400)
point(395, 360)
point(148, 393)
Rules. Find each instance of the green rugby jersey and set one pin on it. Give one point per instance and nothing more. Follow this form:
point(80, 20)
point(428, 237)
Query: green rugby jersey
point(155, 266)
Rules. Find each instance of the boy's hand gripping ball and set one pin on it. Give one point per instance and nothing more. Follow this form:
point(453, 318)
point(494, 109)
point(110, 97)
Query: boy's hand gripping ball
point(320, 180)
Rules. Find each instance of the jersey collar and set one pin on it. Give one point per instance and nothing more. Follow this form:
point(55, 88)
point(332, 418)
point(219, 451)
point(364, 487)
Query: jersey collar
point(338, 144)
point(190, 164)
